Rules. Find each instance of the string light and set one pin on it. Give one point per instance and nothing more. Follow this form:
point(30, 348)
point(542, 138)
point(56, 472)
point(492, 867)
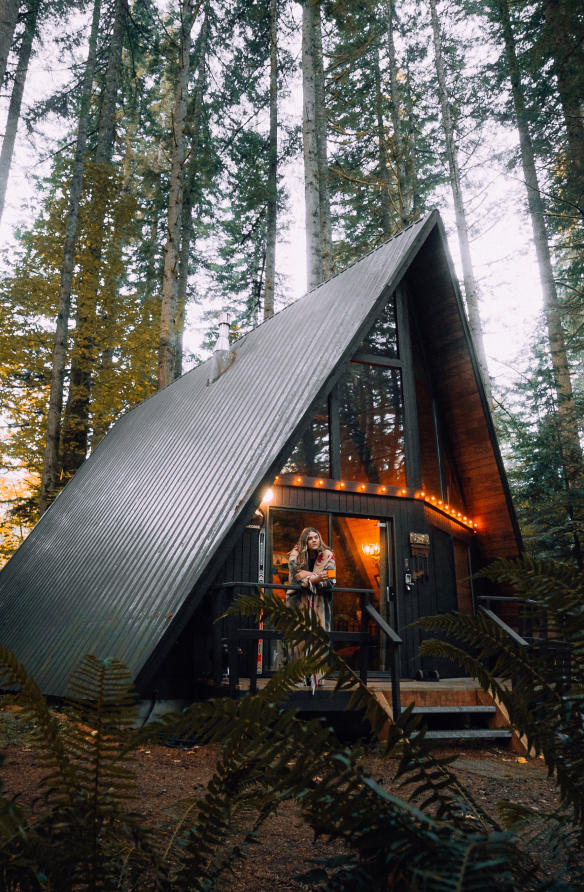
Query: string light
point(433, 501)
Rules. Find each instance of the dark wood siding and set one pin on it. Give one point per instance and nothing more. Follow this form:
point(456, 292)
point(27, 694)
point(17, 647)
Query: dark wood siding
point(190, 658)
point(437, 310)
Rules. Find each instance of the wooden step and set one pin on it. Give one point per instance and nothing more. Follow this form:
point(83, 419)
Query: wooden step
point(471, 734)
point(454, 710)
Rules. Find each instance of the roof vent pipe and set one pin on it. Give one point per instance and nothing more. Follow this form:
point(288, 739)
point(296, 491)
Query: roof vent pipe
point(222, 356)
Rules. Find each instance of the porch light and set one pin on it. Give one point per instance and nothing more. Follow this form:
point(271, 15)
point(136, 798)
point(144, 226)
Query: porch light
point(371, 550)
point(268, 495)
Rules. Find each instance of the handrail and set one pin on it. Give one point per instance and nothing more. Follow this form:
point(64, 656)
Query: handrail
point(394, 642)
point(291, 587)
point(361, 637)
point(517, 639)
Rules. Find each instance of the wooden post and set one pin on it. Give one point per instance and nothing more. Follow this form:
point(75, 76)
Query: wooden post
point(411, 433)
point(364, 644)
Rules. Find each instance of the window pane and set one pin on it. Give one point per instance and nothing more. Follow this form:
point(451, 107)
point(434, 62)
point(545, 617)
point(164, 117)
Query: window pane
point(452, 494)
point(311, 454)
point(371, 425)
point(428, 454)
point(382, 339)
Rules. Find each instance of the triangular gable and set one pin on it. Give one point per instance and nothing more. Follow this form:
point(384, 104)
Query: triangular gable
point(119, 561)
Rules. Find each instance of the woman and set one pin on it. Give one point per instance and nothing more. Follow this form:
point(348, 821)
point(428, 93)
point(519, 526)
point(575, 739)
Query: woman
point(312, 565)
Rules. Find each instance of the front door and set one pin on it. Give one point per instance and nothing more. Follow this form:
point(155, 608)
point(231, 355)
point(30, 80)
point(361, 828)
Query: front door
point(363, 550)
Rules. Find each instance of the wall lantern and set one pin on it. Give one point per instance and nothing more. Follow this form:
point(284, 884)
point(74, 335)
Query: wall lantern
point(371, 551)
point(268, 495)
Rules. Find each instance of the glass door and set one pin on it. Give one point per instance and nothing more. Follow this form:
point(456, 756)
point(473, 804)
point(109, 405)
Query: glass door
point(362, 548)
point(285, 528)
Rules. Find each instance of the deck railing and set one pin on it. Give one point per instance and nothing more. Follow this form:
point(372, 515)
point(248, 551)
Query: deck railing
point(361, 638)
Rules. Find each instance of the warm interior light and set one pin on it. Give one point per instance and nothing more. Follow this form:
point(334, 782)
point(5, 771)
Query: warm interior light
point(268, 495)
point(371, 550)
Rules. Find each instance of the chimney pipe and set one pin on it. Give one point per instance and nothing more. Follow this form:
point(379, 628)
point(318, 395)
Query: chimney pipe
point(222, 356)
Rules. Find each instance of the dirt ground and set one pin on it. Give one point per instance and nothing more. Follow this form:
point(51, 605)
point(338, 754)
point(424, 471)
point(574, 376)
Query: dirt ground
point(166, 775)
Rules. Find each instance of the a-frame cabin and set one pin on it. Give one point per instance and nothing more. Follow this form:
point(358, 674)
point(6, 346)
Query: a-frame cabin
point(360, 407)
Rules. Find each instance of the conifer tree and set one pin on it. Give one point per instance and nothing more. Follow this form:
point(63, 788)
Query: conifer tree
point(272, 205)
point(193, 171)
point(103, 186)
point(50, 474)
point(310, 144)
point(8, 19)
point(166, 354)
point(567, 418)
point(470, 285)
point(30, 30)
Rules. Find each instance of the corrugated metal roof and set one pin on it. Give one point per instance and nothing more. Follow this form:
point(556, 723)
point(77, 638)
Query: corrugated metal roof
point(108, 567)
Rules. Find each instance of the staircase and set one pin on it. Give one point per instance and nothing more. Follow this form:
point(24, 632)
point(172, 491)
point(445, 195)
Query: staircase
point(461, 723)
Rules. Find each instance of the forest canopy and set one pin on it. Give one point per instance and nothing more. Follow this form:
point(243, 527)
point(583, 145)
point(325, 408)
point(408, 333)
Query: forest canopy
point(170, 136)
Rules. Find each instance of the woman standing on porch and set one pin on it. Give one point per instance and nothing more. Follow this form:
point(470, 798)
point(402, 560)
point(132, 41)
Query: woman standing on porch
point(312, 564)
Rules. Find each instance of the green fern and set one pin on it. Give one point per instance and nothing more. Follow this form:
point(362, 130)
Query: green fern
point(544, 705)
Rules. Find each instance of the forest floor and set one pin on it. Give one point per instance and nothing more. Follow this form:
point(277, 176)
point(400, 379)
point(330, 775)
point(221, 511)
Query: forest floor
point(287, 849)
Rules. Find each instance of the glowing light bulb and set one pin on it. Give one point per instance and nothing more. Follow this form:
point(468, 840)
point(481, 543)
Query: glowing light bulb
point(342, 484)
point(321, 482)
point(268, 495)
point(298, 479)
point(370, 550)
point(383, 489)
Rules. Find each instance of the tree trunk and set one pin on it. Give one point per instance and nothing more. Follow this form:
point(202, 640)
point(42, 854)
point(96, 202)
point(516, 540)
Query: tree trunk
point(416, 204)
point(84, 354)
point(107, 117)
point(567, 59)
point(311, 186)
point(396, 118)
point(272, 212)
point(567, 418)
point(8, 18)
point(175, 201)
point(50, 474)
point(16, 99)
point(384, 178)
point(326, 229)
point(187, 212)
point(470, 287)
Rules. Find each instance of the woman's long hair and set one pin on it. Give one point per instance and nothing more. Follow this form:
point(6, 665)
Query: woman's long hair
point(302, 546)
